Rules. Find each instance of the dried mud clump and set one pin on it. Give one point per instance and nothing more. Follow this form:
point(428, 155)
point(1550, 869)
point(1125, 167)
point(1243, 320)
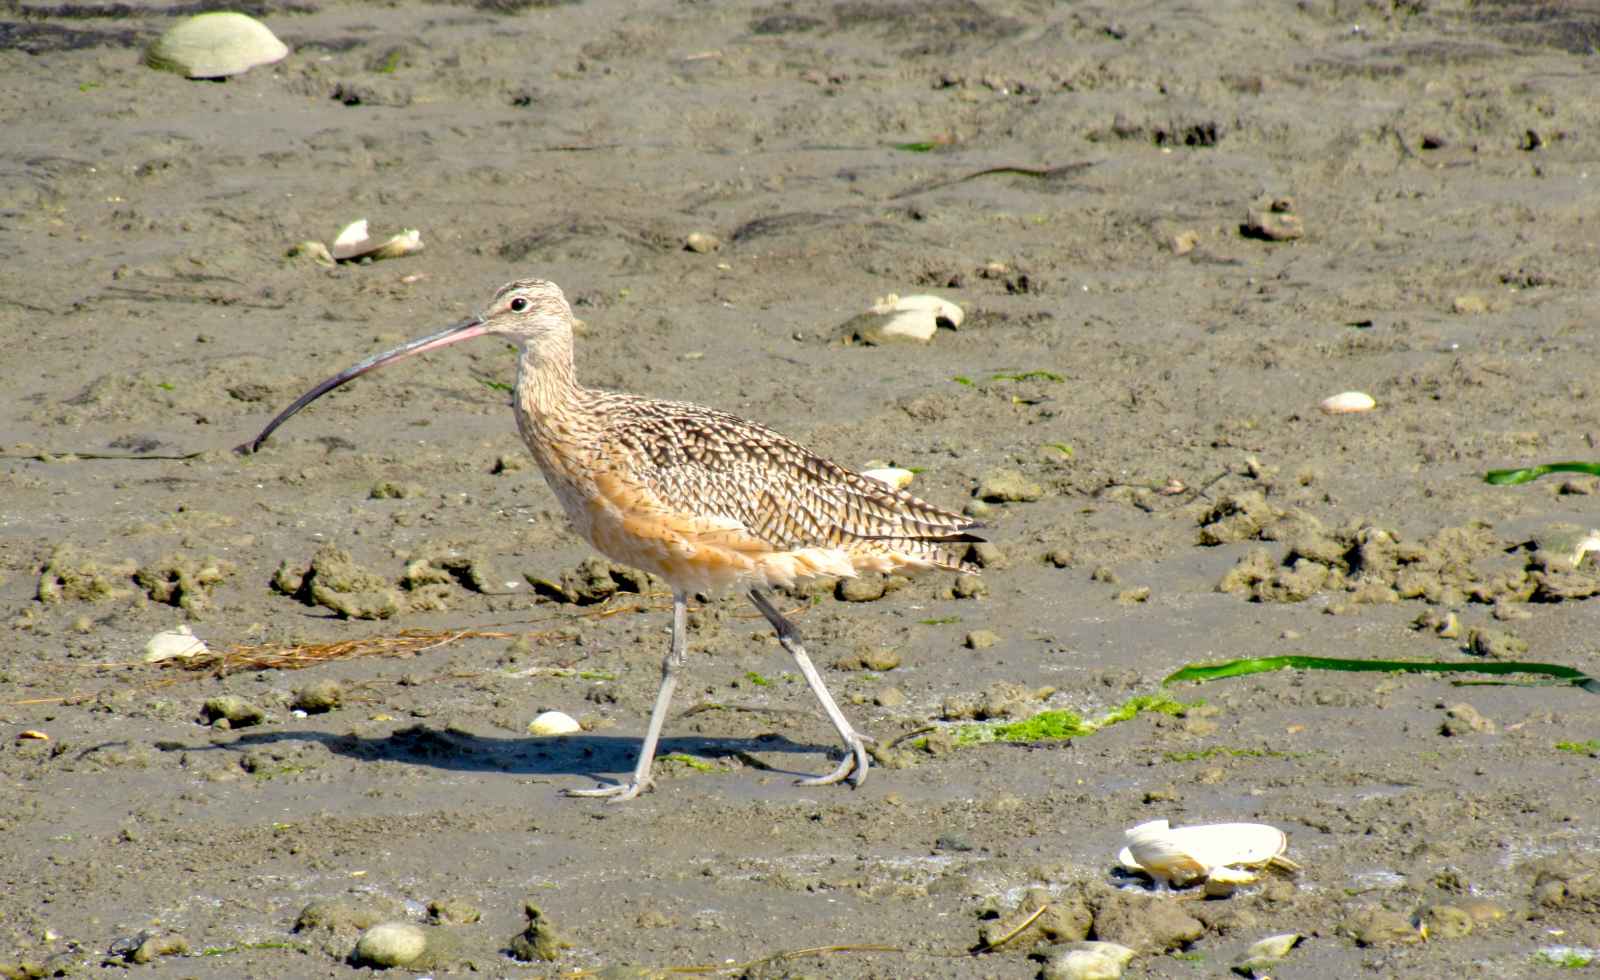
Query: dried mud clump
point(70, 576)
point(181, 581)
point(1377, 565)
point(334, 581)
point(595, 580)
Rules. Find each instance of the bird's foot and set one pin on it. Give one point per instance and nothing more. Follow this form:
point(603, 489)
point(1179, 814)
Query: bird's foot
point(853, 767)
point(612, 794)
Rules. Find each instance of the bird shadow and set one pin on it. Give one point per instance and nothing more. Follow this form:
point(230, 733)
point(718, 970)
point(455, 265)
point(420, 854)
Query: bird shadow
point(456, 750)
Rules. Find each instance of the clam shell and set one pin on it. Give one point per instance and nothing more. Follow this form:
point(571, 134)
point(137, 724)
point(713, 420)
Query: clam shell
point(890, 476)
point(942, 309)
point(553, 723)
point(174, 644)
point(1346, 402)
point(215, 45)
point(894, 318)
point(355, 242)
point(1184, 855)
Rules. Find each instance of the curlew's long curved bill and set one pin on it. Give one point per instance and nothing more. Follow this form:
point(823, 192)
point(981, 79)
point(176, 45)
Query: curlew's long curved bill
point(472, 326)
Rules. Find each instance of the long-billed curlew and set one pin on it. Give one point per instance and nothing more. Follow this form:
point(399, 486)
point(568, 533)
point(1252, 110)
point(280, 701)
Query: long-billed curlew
point(703, 499)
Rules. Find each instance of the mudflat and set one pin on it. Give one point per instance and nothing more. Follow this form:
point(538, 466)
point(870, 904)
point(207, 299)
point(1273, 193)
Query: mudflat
point(1173, 230)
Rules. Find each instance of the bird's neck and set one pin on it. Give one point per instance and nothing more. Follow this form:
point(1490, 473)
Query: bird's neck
point(549, 401)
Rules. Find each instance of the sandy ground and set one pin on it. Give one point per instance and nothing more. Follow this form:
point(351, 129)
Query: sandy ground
point(1150, 368)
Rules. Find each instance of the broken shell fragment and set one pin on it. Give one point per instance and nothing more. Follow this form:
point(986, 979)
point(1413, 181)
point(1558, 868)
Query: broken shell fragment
point(1185, 855)
point(945, 313)
point(215, 45)
point(902, 319)
point(553, 723)
point(1348, 401)
point(355, 243)
point(32, 734)
point(174, 644)
point(890, 476)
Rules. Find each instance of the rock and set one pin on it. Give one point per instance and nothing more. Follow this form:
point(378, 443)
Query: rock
point(1237, 517)
point(1134, 596)
point(1183, 242)
point(1379, 927)
point(1446, 922)
point(981, 640)
point(1147, 923)
point(1040, 917)
point(1464, 719)
point(68, 575)
point(985, 554)
point(390, 490)
point(453, 912)
point(889, 697)
point(1273, 221)
point(1086, 961)
point(333, 925)
point(1469, 305)
point(1495, 644)
point(1059, 557)
point(702, 243)
point(181, 581)
point(968, 586)
point(236, 711)
point(1482, 911)
point(161, 944)
point(865, 587)
point(334, 581)
point(1006, 486)
point(390, 944)
point(1265, 954)
point(540, 940)
point(215, 45)
point(319, 696)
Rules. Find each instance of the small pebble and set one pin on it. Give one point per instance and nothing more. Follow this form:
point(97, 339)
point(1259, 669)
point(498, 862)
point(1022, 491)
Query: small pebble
point(981, 639)
point(1005, 486)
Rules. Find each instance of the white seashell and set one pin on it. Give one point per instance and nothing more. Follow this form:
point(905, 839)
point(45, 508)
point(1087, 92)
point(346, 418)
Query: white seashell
point(352, 235)
point(1184, 855)
point(1091, 960)
point(941, 308)
point(554, 723)
point(354, 242)
point(176, 644)
point(1223, 882)
point(894, 318)
point(918, 325)
point(215, 45)
point(1348, 401)
point(1273, 947)
point(1590, 542)
point(890, 476)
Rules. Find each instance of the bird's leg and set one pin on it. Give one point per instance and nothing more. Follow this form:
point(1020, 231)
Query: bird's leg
point(855, 759)
point(658, 714)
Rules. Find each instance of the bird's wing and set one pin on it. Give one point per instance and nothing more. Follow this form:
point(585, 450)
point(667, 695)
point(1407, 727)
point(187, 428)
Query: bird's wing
point(734, 478)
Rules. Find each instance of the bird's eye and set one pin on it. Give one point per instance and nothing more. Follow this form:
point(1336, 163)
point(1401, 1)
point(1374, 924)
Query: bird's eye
point(518, 305)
